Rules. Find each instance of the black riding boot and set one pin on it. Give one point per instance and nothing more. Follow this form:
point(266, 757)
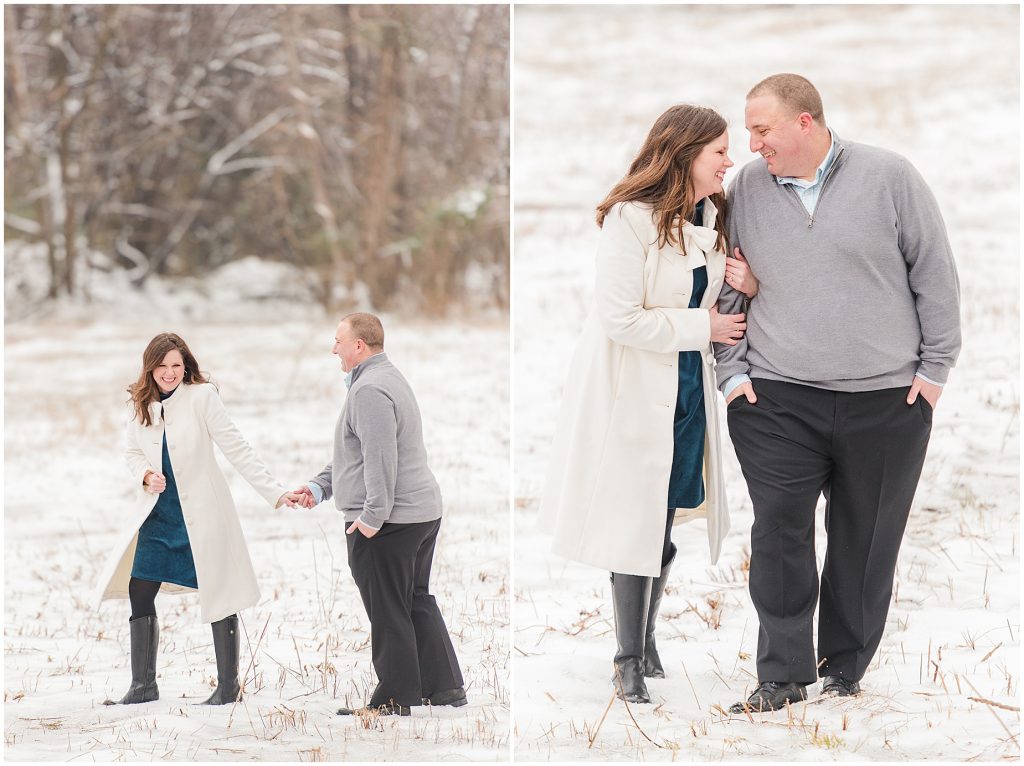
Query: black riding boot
point(631, 598)
point(226, 643)
point(652, 662)
point(145, 632)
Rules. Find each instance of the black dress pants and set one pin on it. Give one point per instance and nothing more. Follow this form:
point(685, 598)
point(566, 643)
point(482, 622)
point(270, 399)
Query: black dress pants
point(412, 653)
point(865, 452)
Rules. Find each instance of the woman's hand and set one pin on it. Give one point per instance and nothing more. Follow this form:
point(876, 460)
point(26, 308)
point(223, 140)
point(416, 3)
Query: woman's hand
point(154, 483)
point(727, 328)
point(739, 276)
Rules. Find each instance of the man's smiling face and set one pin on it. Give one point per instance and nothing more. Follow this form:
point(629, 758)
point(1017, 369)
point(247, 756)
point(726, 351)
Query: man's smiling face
point(778, 136)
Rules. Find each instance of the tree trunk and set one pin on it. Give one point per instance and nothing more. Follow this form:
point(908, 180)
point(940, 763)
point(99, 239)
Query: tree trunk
point(65, 131)
point(314, 160)
point(380, 170)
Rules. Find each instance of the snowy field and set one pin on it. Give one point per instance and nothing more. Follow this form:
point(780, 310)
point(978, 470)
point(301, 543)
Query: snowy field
point(305, 647)
point(938, 84)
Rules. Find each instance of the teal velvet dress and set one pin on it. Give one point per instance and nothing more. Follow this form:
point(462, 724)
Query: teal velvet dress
point(686, 485)
point(163, 552)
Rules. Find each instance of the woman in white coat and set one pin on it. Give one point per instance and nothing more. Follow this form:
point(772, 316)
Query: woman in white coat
point(637, 442)
point(185, 534)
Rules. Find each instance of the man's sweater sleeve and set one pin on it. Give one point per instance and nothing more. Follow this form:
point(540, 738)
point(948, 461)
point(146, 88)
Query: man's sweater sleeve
point(324, 482)
point(731, 360)
point(375, 423)
point(931, 272)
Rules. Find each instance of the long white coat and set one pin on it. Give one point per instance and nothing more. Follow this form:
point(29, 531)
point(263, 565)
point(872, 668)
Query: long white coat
point(607, 482)
point(194, 418)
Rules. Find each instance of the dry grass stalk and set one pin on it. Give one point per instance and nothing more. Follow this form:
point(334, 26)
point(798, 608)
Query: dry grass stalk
point(1000, 705)
point(988, 706)
point(618, 677)
point(992, 651)
point(604, 715)
point(692, 687)
point(252, 663)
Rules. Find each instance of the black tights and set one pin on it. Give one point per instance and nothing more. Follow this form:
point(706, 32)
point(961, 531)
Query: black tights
point(142, 594)
point(666, 547)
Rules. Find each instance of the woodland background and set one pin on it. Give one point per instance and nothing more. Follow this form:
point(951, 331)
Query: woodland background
point(365, 145)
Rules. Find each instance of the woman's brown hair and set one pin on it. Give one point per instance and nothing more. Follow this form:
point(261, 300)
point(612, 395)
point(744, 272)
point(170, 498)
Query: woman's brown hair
point(660, 174)
point(144, 391)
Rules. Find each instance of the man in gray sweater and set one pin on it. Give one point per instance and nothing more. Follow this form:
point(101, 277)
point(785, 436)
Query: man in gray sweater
point(850, 338)
point(381, 482)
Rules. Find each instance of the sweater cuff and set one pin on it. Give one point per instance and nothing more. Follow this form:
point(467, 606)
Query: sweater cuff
point(933, 372)
point(926, 380)
point(369, 520)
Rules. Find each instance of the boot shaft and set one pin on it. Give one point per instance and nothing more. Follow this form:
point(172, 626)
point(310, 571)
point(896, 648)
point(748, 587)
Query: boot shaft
point(226, 646)
point(144, 635)
point(144, 639)
point(631, 600)
point(657, 591)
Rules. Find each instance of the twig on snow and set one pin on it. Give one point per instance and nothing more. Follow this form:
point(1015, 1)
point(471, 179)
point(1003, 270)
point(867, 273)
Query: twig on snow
point(988, 706)
point(593, 735)
point(999, 705)
point(618, 676)
point(252, 662)
point(694, 690)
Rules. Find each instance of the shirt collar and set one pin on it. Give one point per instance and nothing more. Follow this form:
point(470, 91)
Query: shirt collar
point(822, 168)
point(371, 361)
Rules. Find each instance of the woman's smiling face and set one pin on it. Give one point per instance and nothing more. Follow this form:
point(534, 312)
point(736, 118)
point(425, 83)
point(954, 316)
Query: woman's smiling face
point(170, 371)
point(707, 173)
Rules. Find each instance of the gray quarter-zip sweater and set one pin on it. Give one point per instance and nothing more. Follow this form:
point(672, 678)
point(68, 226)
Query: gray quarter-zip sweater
point(861, 294)
point(380, 472)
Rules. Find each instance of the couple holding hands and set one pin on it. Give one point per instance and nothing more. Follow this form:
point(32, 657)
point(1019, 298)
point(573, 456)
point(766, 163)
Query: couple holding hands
point(830, 331)
point(185, 535)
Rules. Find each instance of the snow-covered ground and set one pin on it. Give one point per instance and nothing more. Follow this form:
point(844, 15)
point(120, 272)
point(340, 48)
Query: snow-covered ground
point(938, 84)
point(306, 645)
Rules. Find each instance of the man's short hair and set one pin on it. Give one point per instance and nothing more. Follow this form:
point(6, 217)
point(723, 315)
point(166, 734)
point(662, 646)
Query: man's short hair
point(793, 91)
point(367, 328)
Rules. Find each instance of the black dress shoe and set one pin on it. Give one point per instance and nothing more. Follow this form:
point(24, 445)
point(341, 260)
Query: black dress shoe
point(837, 686)
point(452, 698)
point(769, 696)
point(387, 709)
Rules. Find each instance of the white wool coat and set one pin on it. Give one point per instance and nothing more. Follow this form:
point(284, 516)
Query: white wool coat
point(194, 419)
point(607, 482)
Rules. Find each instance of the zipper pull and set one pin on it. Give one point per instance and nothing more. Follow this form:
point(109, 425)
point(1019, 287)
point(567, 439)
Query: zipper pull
point(810, 221)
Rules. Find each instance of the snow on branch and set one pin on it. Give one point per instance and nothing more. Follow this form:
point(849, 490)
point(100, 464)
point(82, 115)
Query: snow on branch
point(216, 163)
